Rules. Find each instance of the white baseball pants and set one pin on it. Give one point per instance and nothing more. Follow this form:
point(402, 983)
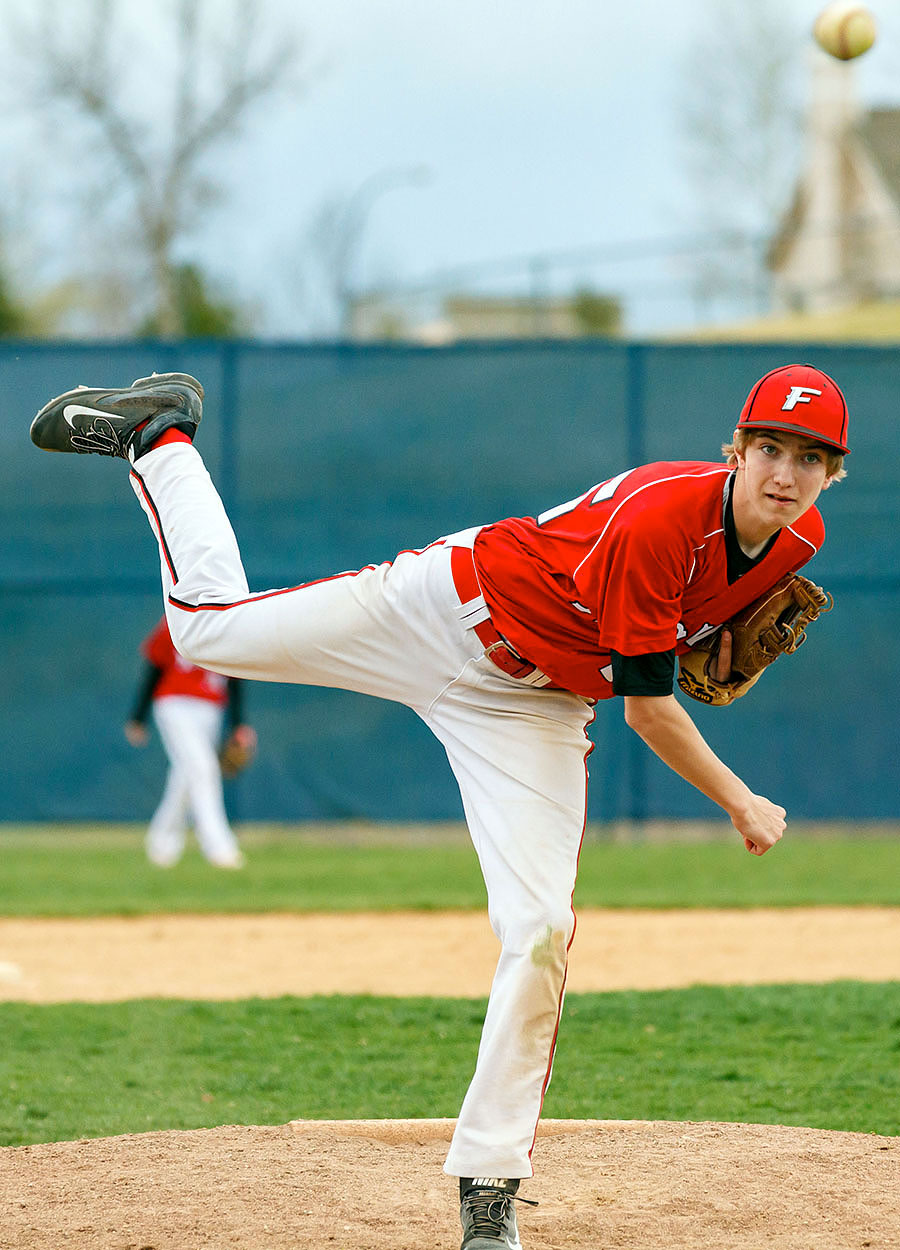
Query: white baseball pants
point(517, 752)
point(190, 730)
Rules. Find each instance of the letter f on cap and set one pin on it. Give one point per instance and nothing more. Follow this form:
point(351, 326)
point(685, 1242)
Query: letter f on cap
point(798, 395)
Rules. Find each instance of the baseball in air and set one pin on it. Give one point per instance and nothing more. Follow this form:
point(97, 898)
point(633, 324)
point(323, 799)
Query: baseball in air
point(845, 30)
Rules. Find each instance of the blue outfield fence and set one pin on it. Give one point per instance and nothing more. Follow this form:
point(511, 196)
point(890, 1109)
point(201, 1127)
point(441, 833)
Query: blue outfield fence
point(331, 457)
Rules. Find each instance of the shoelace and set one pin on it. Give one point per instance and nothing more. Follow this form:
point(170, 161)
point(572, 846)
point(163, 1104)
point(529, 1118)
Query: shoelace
point(101, 437)
point(489, 1210)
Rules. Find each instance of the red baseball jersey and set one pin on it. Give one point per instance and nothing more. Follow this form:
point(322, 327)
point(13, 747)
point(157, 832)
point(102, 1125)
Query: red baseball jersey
point(636, 565)
point(178, 675)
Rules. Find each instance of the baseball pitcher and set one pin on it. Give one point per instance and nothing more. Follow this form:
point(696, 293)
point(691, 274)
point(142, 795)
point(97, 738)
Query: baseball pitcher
point(503, 638)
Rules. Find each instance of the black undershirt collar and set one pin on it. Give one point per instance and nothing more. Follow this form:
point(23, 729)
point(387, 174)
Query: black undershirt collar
point(738, 562)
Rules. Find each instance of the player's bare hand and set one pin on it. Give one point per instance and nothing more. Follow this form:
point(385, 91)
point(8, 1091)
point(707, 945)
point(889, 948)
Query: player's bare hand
point(136, 733)
point(761, 824)
point(723, 656)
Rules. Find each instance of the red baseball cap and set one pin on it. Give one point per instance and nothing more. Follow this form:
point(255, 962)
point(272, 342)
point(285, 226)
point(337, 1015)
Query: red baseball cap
point(802, 400)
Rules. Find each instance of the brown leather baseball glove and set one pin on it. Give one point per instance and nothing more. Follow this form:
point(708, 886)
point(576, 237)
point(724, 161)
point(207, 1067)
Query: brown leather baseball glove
point(238, 751)
point(772, 626)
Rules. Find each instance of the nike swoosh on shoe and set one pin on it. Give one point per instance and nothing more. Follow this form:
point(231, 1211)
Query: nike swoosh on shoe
point(79, 410)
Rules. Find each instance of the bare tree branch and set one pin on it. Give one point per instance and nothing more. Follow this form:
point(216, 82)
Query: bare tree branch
point(210, 86)
point(741, 128)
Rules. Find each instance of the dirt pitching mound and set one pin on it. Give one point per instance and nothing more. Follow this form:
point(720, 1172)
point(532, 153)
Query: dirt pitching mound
point(378, 1185)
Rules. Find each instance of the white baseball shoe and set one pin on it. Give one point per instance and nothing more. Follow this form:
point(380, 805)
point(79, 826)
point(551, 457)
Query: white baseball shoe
point(164, 849)
point(228, 857)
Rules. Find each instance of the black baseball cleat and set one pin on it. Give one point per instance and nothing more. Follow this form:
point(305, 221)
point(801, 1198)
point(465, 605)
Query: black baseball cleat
point(488, 1215)
point(106, 421)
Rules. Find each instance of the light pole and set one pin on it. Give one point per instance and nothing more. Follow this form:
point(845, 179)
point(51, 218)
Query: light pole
point(353, 222)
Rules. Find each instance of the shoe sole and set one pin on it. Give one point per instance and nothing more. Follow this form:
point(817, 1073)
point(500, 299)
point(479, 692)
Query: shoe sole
point(169, 379)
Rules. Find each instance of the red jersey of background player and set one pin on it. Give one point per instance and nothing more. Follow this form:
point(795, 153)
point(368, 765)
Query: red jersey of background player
point(176, 674)
point(637, 565)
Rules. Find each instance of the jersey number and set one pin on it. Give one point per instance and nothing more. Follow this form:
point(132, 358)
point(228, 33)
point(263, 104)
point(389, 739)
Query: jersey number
point(600, 494)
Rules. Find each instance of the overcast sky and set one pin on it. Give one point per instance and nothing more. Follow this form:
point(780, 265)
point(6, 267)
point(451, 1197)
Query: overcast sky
point(543, 126)
point(534, 126)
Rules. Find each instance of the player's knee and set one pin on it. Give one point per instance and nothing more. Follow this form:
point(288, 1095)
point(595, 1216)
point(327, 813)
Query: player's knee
point(550, 946)
point(207, 771)
point(545, 939)
point(192, 638)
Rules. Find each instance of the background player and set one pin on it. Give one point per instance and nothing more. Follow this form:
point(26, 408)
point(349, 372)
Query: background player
point(503, 638)
point(191, 708)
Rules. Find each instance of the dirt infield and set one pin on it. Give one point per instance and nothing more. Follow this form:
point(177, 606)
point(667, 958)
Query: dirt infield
point(378, 1185)
point(442, 953)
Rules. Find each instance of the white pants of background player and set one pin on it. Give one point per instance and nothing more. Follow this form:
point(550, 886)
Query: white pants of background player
point(518, 754)
point(190, 730)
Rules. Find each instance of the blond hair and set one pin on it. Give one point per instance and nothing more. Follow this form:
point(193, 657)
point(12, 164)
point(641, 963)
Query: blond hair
point(834, 460)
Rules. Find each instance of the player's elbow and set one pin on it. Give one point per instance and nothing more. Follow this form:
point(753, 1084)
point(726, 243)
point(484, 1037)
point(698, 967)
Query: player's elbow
point(644, 712)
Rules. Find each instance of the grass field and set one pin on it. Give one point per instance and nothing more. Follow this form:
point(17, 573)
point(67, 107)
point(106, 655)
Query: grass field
point(822, 1056)
point(46, 872)
point(818, 1056)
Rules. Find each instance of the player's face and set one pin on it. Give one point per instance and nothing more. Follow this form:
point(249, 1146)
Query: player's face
point(779, 477)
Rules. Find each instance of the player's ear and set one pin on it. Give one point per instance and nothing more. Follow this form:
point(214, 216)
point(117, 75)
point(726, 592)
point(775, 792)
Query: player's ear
point(737, 443)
